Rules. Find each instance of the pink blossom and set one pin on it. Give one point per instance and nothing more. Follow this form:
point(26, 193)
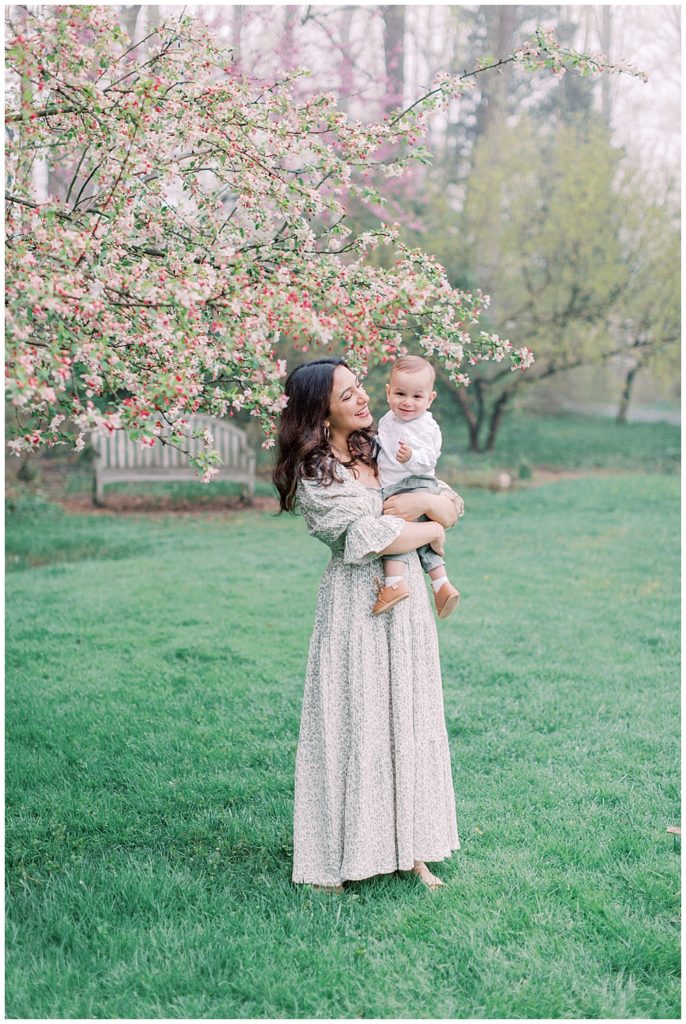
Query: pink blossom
point(194, 323)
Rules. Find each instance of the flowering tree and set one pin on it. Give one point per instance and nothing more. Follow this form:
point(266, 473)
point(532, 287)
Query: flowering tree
point(201, 224)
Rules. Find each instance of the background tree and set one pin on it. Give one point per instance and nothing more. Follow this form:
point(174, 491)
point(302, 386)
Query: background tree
point(394, 56)
point(540, 225)
point(202, 219)
point(648, 315)
point(202, 222)
point(581, 259)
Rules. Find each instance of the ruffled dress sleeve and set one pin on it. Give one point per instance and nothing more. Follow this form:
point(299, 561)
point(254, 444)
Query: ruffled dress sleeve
point(343, 516)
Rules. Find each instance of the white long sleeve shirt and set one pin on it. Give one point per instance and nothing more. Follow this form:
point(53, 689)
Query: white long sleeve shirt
point(422, 434)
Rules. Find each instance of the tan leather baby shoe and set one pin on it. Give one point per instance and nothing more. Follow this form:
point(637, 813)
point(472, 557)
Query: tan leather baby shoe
point(446, 600)
point(388, 596)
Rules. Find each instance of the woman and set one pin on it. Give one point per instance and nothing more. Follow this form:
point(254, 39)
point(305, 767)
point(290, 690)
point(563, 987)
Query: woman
point(373, 785)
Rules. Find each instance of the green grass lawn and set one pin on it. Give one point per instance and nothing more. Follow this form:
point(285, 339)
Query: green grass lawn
point(154, 682)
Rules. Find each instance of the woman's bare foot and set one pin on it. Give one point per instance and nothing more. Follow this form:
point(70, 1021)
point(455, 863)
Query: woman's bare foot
point(420, 869)
point(327, 888)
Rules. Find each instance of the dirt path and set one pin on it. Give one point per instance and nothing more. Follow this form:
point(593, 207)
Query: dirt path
point(129, 504)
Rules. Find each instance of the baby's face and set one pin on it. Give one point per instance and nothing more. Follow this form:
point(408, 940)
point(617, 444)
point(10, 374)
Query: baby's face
point(410, 394)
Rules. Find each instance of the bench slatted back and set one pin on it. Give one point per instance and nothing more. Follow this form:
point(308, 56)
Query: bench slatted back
point(120, 459)
point(117, 451)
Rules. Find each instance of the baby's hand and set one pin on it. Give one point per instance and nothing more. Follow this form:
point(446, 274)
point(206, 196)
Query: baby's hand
point(404, 452)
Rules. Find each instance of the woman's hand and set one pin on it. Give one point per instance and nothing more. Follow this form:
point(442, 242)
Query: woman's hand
point(443, 510)
point(439, 507)
point(409, 506)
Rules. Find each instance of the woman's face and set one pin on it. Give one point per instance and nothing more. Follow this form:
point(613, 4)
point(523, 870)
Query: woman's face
point(348, 409)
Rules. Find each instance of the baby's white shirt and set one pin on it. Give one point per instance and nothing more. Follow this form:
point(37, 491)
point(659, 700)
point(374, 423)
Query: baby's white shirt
point(422, 434)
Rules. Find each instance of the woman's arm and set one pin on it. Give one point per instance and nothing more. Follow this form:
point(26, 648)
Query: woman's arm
point(439, 507)
point(413, 535)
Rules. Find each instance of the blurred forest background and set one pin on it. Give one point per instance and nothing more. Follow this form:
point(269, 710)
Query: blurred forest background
point(559, 199)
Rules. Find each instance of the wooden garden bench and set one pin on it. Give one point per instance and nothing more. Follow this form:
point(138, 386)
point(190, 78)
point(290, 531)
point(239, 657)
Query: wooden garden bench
point(120, 459)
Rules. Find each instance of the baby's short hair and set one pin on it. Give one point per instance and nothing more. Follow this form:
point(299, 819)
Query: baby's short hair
point(413, 364)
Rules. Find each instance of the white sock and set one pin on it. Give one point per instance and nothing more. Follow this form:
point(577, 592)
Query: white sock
point(389, 581)
point(437, 584)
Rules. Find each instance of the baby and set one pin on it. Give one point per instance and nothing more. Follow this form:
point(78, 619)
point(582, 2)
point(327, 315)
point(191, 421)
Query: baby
point(410, 441)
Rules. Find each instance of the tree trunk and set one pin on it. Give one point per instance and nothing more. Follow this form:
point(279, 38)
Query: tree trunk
point(629, 381)
point(152, 22)
point(606, 47)
point(495, 419)
point(236, 30)
point(130, 21)
point(345, 67)
point(501, 23)
point(470, 418)
point(287, 47)
point(461, 401)
point(394, 55)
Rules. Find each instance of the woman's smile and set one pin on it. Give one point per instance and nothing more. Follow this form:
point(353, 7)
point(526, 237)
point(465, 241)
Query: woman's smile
point(349, 405)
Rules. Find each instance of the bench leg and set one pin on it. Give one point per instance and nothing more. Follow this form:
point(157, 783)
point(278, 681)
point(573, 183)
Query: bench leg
point(98, 491)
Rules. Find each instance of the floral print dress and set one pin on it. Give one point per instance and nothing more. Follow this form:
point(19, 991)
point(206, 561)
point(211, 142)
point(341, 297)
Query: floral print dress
point(373, 783)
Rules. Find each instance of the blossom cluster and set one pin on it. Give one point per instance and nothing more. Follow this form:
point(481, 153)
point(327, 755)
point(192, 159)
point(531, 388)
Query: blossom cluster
point(544, 51)
point(196, 221)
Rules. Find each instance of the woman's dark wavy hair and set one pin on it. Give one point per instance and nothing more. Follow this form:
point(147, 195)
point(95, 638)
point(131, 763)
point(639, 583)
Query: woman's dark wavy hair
point(302, 450)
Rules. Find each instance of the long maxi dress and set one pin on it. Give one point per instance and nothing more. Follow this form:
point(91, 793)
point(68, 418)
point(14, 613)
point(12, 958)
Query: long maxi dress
point(373, 782)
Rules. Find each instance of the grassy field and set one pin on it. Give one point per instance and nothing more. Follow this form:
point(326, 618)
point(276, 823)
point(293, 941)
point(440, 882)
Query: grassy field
point(154, 680)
